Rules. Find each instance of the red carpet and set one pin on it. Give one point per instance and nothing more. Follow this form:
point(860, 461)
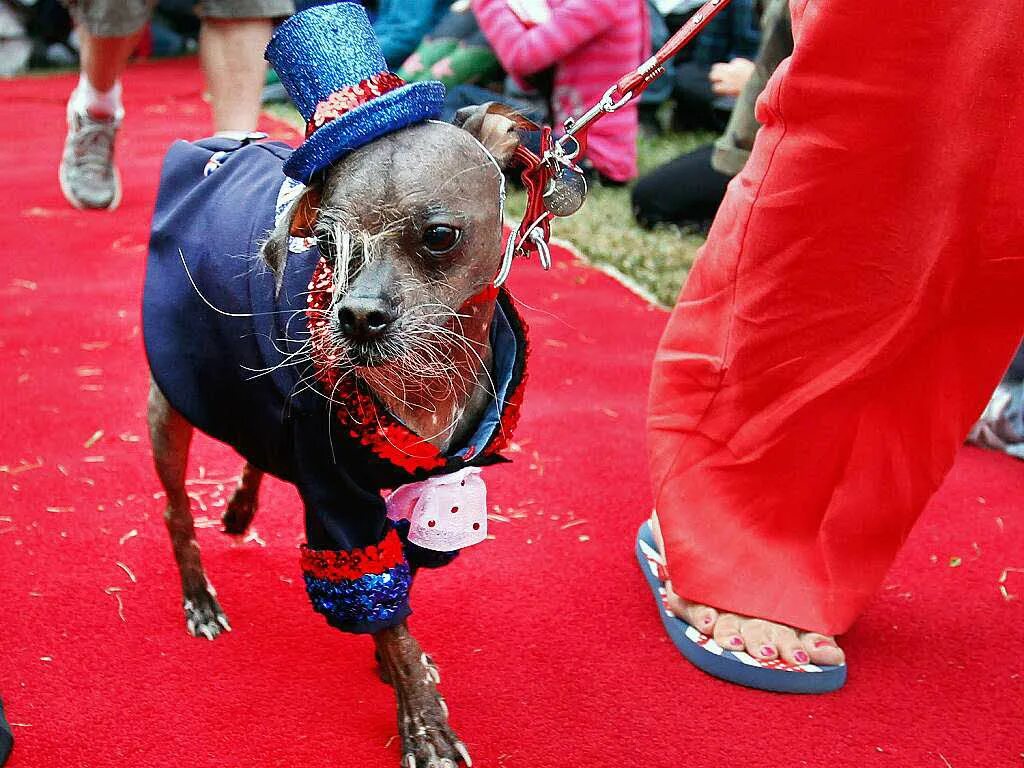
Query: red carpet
point(550, 648)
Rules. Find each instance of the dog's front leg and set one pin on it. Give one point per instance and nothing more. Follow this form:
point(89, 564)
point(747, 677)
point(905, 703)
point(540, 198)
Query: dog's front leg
point(427, 739)
point(171, 436)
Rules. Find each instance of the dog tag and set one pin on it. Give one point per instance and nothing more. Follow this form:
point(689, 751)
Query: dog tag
point(446, 512)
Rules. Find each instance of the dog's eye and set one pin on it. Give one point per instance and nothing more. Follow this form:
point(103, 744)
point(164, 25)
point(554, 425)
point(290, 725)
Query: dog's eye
point(440, 238)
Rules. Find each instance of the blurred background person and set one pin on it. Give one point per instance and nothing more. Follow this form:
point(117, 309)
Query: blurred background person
point(231, 42)
point(688, 190)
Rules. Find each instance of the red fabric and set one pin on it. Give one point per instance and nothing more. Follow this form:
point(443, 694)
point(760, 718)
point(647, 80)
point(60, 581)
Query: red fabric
point(855, 305)
point(591, 44)
point(550, 649)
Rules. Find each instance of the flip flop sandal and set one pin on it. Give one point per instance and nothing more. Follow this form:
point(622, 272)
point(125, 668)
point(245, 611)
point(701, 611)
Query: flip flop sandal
point(734, 666)
point(6, 738)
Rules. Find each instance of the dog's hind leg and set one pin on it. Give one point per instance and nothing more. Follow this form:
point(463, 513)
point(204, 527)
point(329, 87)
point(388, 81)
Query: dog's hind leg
point(427, 739)
point(240, 510)
point(171, 436)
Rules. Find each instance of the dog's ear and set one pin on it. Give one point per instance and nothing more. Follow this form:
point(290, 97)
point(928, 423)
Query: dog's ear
point(299, 222)
point(304, 213)
point(496, 126)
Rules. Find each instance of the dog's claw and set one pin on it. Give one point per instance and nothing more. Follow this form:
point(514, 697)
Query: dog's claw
point(203, 614)
point(461, 749)
point(444, 705)
point(410, 760)
point(433, 674)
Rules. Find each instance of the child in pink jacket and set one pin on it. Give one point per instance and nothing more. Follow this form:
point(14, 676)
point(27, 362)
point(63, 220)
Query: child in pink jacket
point(590, 44)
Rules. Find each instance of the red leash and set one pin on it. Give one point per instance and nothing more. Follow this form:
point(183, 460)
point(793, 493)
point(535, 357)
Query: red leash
point(554, 184)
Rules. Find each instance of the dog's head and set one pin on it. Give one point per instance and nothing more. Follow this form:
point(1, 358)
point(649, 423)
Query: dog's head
point(411, 225)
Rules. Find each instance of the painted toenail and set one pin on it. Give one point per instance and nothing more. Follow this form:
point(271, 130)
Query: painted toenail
point(767, 650)
point(822, 644)
point(735, 641)
point(801, 657)
point(706, 621)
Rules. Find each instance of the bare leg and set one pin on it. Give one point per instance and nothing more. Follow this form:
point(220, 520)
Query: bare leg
point(427, 739)
point(105, 58)
point(171, 435)
point(244, 501)
point(88, 176)
point(232, 54)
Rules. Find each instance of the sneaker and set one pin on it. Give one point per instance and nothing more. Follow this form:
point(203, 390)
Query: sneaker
point(88, 177)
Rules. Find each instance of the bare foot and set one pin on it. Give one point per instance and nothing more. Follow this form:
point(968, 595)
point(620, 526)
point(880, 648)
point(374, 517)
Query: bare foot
point(764, 640)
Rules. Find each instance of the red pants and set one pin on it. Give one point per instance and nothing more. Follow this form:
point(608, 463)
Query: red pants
point(859, 297)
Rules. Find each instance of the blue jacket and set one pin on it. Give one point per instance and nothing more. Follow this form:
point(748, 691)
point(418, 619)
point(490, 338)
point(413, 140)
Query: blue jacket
point(223, 350)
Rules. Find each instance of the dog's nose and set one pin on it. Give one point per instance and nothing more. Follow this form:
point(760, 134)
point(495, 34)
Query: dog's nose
point(364, 319)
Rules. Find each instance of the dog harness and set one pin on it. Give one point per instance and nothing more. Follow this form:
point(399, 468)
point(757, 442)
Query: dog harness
point(233, 358)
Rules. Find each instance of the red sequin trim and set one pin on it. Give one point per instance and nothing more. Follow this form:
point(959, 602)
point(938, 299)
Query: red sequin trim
point(337, 565)
point(344, 100)
point(359, 413)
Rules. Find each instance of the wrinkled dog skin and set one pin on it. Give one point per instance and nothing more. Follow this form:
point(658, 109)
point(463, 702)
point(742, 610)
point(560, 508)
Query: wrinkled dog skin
point(412, 225)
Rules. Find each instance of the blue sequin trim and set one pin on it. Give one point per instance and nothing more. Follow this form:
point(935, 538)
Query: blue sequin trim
point(372, 599)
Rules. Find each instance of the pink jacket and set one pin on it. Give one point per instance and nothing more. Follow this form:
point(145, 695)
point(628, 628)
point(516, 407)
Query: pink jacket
point(592, 43)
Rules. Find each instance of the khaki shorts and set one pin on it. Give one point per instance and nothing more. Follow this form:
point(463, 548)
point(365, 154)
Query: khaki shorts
point(120, 18)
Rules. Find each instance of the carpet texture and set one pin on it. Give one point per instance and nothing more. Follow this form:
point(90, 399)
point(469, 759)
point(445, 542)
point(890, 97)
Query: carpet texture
point(550, 648)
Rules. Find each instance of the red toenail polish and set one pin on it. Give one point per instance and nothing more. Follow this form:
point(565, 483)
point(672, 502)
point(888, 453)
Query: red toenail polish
point(822, 643)
point(736, 641)
point(801, 657)
point(767, 650)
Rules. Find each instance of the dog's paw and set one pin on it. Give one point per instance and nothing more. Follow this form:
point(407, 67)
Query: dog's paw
point(427, 739)
point(239, 513)
point(203, 615)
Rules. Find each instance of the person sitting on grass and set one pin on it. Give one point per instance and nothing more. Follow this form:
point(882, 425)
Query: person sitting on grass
point(687, 191)
point(400, 26)
point(453, 52)
point(572, 51)
point(711, 73)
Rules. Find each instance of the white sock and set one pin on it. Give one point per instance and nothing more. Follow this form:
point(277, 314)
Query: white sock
point(85, 98)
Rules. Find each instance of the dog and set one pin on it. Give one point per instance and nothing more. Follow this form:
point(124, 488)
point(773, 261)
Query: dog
point(343, 333)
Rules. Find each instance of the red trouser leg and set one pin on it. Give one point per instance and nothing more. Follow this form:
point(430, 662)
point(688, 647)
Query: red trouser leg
point(858, 299)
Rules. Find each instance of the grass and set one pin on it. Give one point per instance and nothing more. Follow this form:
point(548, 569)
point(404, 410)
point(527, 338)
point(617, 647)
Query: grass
point(604, 231)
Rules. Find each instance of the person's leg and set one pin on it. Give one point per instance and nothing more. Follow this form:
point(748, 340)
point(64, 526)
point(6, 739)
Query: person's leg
point(695, 102)
point(844, 325)
point(103, 59)
point(231, 42)
point(686, 191)
point(108, 32)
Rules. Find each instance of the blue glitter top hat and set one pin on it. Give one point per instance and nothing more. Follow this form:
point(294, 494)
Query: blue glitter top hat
point(330, 63)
